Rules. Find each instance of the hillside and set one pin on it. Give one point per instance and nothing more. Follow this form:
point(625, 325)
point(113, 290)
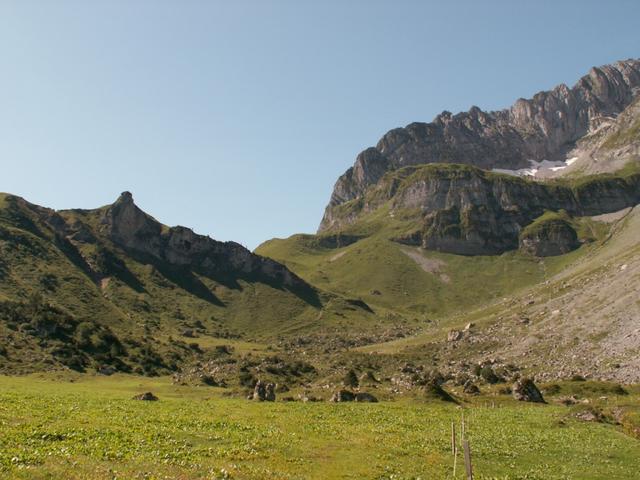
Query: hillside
point(442, 228)
point(112, 287)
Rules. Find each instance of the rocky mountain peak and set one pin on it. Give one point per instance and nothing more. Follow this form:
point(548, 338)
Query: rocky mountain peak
point(125, 198)
point(544, 127)
point(127, 225)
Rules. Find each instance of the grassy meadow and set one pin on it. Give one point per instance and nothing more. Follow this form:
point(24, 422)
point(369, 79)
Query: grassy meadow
point(81, 426)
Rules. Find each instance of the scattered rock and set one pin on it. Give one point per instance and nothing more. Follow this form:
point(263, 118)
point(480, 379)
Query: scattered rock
point(469, 326)
point(568, 401)
point(454, 335)
point(343, 396)
point(525, 390)
point(264, 392)
point(365, 397)
point(591, 415)
point(470, 388)
point(369, 377)
point(147, 396)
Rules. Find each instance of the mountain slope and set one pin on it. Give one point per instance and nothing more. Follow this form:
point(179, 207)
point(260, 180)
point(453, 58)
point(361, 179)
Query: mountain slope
point(421, 285)
point(582, 320)
point(125, 275)
point(541, 269)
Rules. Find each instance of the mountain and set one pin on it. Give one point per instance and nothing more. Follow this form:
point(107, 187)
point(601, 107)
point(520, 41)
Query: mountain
point(113, 286)
point(544, 128)
point(505, 238)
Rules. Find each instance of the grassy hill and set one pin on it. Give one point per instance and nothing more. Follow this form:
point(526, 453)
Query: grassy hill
point(68, 285)
point(420, 284)
point(551, 316)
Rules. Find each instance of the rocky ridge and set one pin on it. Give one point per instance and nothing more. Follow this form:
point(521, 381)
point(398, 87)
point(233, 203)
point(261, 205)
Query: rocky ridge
point(465, 210)
point(545, 127)
point(129, 227)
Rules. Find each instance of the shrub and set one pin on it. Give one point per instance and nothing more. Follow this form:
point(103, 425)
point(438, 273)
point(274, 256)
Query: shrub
point(350, 379)
point(246, 379)
point(552, 389)
point(488, 375)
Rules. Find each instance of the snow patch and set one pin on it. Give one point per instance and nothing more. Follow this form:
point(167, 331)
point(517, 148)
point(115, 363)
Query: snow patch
point(536, 168)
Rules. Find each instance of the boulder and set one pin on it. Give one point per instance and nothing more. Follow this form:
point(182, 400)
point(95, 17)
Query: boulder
point(147, 396)
point(343, 396)
point(470, 388)
point(187, 333)
point(305, 397)
point(525, 390)
point(264, 392)
point(365, 397)
point(434, 391)
point(106, 370)
point(454, 336)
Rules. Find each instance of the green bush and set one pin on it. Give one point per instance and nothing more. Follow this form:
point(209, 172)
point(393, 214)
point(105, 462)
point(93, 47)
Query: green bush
point(350, 379)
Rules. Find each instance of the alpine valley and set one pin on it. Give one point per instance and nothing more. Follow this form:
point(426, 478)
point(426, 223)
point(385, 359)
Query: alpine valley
point(484, 257)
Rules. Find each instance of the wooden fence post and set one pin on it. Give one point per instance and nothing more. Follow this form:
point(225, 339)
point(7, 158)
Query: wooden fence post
point(454, 447)
point(467, 459)
point(453, 438)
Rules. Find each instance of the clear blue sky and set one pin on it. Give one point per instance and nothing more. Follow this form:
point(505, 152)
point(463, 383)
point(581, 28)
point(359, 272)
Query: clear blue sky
point(235, 118)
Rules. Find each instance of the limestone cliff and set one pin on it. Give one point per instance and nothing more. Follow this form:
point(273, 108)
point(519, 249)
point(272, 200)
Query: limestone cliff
point(465, 210)
point(546, 126)
point(129, 227)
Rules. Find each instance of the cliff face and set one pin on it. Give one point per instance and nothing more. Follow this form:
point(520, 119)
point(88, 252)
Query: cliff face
point(548, 238)
point(93, 238)
point(546, 126)
point(129, 227)
point(466, 210)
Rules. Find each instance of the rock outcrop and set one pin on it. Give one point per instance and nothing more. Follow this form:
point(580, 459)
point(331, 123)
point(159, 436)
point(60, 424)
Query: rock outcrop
point(545, 127)
point(264, 392)
point(525, 390)
point(548, 238)
point(343, 396)
point(131, 228)
point(465, 210)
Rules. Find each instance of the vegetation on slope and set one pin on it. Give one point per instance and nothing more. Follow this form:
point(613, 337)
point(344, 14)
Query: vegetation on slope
point(422, 285)
point(91, 280)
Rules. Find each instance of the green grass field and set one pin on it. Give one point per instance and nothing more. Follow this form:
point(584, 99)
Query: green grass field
point(78, 427)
